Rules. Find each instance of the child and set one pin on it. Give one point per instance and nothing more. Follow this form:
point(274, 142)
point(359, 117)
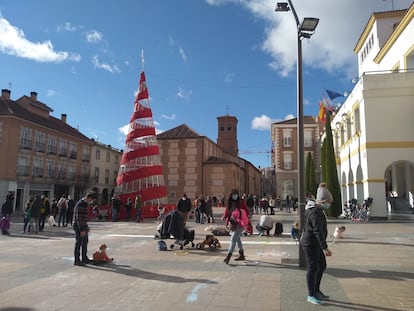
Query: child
point(294, 232)
point(339, 232)
point(100, 257)
point(161, 213)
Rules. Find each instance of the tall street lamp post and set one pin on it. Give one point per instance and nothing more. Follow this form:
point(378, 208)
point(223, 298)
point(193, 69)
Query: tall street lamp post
point(304, 30)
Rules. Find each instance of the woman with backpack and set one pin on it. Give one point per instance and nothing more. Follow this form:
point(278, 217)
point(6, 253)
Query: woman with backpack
point(236, 216)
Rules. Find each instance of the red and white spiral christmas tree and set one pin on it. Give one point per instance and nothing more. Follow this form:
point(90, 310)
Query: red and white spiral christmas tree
point(140, 169)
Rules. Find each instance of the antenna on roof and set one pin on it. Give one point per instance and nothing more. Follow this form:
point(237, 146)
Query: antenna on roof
point(142, 59)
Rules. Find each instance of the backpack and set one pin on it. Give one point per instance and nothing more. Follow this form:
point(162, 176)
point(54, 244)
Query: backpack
point(162, 246)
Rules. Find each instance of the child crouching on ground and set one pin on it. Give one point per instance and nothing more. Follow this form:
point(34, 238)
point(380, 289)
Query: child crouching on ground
point(339, 232)
point(294, 232)
point(100, 257)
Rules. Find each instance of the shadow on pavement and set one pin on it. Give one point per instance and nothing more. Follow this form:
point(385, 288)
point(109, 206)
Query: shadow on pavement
point(355, 306)
point(370, 274)
point(129, 271)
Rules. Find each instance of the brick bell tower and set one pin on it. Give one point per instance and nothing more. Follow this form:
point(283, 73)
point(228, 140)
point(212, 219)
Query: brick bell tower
point(227, 134)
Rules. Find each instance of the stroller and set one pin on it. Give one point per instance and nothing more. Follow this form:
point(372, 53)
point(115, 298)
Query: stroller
point(173, 225)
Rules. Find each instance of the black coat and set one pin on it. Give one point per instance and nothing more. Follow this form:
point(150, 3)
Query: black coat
point(315, 230)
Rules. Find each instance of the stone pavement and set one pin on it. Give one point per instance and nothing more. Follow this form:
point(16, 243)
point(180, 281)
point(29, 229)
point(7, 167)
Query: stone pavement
point(371, 269)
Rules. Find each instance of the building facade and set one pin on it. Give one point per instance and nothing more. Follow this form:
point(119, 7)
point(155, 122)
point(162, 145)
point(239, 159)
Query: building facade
point(105, 161)
point(374, 128)
point(285, 152)
point(41, 154)
point(194, 164)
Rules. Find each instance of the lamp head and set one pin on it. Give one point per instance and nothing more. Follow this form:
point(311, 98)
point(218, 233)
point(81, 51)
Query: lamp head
point(282, 7)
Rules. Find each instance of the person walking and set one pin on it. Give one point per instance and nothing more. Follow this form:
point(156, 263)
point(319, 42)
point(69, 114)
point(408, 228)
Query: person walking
point(128, 208)
point(184, 207)
point(315, 248)
point(35, 214)
point(81, 228)
point(138, 207)
point(44, 211)
point(236, 217)
point(6, 211)
point(27, 213)
point(116, 207)
point(62, 205)
point(69, 212)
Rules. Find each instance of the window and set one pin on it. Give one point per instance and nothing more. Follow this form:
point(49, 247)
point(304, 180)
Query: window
point(287, 138)
point(23, 167)
point(26, 138)
point(61, 170)
point(37, 168)
point(308, 138)
point(116, 161)
point(52, 144)
point(98, 154)
point(50, 169)
point(72, 150)
point(357, 124)
point(63, 149)
point(108, 157)
point(40, 145)
point(287, 161)
point(106, 177)
point(349, 129)
point(71, 172)
point(96, 174)
point(85, 154)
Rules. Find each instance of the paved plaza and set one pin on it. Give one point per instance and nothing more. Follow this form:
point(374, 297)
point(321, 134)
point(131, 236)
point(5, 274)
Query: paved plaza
point(371, 269)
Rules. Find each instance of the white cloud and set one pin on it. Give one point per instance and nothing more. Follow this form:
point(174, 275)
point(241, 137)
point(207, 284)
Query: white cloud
point(171, 117)
point(124, 129)
point(174, 45)
point(93, 36)
point(50, 93)
point(229, 77)
point(183, 94)
point(262, 123)
point(67, 27)
point(289, 117)
point(104, 66)
point(13, 42)
point(331, 47)
point(182, 54)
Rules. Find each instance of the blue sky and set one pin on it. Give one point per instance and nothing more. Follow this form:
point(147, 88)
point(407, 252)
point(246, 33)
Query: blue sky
point(203, 59)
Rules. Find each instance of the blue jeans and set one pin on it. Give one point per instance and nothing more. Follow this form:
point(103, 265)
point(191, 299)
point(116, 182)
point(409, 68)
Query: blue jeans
point(81, 244)
point(235, 238)
point(62, 217)
point(316, 265)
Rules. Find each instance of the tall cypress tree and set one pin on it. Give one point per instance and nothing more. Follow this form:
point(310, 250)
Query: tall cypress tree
point(331, 176)
point(310, 175)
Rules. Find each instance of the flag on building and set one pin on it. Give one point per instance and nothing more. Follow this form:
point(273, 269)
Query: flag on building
point(332, 94)
point(322, 112)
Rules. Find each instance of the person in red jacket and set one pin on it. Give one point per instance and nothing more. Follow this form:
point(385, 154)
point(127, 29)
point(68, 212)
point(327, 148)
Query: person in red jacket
point(236, 216)
point(100, 256)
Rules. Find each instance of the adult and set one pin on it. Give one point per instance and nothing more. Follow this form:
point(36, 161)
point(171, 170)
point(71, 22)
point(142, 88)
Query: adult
point(138, 207)
point(27, 213)
point(35, 214)
point(209, 209)
point(128, 208)
point(265, 224)
point(6, 211)
point(184, 207)
point(324, 196)
point(116, 207)
point(62, 205)
point(315, 248)
point(44, 211)
point(250, 204)
point(236, 217)
point(81, 228)
point(69, 212)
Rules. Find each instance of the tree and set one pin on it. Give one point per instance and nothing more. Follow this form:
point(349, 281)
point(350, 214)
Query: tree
point(310, 175)
point(329, 168)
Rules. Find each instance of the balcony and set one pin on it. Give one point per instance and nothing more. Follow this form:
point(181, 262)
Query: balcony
point(23, 170)
point(37, 172)
point(40, 147)
point(63, 153)
point(52, 150)
point(73, 155)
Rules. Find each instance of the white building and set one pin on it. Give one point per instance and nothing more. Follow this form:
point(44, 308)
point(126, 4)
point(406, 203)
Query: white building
point(374, 128)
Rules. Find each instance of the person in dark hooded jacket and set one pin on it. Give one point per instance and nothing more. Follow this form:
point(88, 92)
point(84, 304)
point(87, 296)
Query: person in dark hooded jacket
point(6, 211)
point(315, 248)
